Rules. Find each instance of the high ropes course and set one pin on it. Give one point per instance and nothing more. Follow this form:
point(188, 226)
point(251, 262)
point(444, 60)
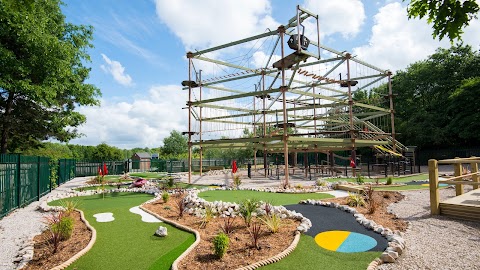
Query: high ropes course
point(289, 93)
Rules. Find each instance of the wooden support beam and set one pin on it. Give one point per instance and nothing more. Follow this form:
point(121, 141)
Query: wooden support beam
point(457, 168)
point(433, 182)
point(475, 178)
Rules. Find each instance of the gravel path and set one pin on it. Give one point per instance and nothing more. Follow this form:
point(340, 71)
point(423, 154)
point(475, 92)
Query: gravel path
point(435, 242)
point(23, 224)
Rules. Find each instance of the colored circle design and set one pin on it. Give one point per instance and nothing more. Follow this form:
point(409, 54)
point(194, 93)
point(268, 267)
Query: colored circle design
point(440, 185)
point(345, 241)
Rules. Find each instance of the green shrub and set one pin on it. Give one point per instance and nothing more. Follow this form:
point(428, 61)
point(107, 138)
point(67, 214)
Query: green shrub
point(389, 180)
point(165, 196)
point(207, 216)
point(220, 244)
point(64, 227)
point(69, 205)
point(360, 179)
point(273, 222)
point(355, 200)
point(170, 182)
point(247, 208)
point(321, 183)
point(237, 181)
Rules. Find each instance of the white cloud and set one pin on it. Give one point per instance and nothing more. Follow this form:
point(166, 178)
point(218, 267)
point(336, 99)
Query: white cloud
point(341, 16)
point(116, 69)
point(201, 24)
point(144, 122)
point(397, 42)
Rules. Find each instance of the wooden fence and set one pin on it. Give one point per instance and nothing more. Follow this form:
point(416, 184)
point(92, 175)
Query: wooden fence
point(465, 173)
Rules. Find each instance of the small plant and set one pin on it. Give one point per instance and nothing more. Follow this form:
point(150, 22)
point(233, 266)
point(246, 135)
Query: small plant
point(165, 196)
point(237, 181)
point(220, 244)
point(170, 182)
point(298, 186)
point(389, 180)
point(360, 179)
point(180, 203)
point(321, 183)
point(207, 216)
point(255, 232)
point(166, 207)
point(125, 177)
point(60, 227)
point(273, 222)
point(69, 206)
point(228, 224)
point(354, 200)
point(370, 200)
point(247, 209)
point(268, 208)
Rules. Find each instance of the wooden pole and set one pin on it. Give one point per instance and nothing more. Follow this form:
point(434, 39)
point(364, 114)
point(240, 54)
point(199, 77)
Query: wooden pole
point(392, 111)
point(433, 181)
point(475, 178)
point(201, 148)
point(457, 168)
point(353, 155)
point(284, 89)
point(189, 56)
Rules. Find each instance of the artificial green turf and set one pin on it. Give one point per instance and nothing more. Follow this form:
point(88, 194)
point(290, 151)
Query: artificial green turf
point(309, 256)
point(95, 188)
point(127, 242)
point(275, 198)
point(149, 175)
point(403, 179)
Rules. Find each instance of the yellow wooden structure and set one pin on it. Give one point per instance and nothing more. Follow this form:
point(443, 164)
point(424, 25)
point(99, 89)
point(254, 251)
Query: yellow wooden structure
point(463, 205)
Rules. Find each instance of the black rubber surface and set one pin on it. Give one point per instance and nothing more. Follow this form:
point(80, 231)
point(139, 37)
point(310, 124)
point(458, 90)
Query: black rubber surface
point(331, 219)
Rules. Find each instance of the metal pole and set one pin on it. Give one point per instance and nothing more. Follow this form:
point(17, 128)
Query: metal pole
point(264, 125)
point(200, 119)
point(284, 89)
point(189, 56)
point(254, 132)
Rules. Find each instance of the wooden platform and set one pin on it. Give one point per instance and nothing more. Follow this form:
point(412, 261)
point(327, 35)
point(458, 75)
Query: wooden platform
point(466, 206)
point(351, 188)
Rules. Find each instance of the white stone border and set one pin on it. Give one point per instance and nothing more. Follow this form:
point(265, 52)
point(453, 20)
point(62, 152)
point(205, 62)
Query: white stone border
point(396, 243)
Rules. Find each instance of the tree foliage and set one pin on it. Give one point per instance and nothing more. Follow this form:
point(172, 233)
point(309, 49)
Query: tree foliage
point(449, 17)
point(105, 152)
point(175, 145)
point(436, 104)
point(42, 75)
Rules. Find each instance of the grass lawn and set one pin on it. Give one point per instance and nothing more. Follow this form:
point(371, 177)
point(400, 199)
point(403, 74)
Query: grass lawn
point(309, 256)
point(127, 242)
point(275, 198)
point(149, 175)
point(96, 187)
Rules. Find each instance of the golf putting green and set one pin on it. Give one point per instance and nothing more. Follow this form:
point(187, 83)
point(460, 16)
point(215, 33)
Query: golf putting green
point(127, 242)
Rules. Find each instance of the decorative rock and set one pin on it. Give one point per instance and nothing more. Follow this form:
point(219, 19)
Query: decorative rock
point(386, 258)
point(161, 231)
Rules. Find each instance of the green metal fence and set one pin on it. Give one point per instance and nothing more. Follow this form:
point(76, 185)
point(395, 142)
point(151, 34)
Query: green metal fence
point(23, 179)
point(90, 168)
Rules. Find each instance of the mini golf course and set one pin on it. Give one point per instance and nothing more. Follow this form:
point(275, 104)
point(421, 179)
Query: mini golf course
point(125, 239)
point(335, 241)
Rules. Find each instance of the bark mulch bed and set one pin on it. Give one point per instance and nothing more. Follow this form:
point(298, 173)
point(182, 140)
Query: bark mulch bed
point(43, 257)
point(241, 251)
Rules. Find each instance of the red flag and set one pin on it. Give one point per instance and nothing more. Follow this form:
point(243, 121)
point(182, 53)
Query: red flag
point(352, 163)
point(99, 170)
point(234, 166)
point(105, 170)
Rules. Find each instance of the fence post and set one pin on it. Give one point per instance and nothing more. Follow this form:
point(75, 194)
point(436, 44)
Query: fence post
point(457, 168)
point(19, 188)
point(475, 178)
point(38, 177)
point(433, 181)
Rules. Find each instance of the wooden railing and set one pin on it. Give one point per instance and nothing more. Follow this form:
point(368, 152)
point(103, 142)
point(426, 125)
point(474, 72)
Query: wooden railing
point(459, 179)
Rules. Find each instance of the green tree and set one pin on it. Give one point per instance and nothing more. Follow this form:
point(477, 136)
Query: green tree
point(433, 106)
point(42, 75)
point(449, 17)
point(54, 151)
point(105, 152)
point(175, 145)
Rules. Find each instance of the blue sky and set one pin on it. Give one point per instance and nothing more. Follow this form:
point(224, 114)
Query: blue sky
point(138, 59)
